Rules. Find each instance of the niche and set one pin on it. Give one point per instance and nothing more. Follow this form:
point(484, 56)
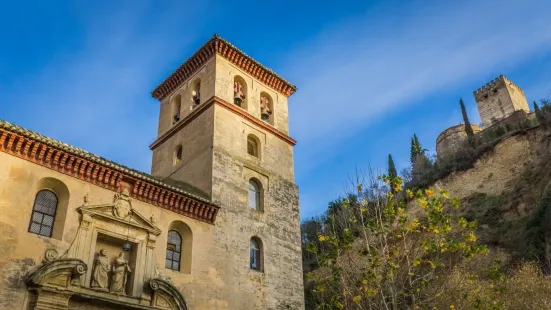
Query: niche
point(114, 246)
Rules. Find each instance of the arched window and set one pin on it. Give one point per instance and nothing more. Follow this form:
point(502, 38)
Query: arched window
point(178, 154)
point(176, 108)
point(173, 250)
point(179, 247)
point(256, 254)
point(44, 211)
point(255, 195)
point(266, 108)
point(252, 146)
point(196, 92)
point(240, 92)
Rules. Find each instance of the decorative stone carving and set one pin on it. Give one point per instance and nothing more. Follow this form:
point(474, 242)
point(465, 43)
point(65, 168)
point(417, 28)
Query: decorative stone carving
point(159, 274)
point(57, 273)
point(104, 226)
point(50, 255)
point(100, 277)
point(123, 204)
point(165, 295)
point(121, 269)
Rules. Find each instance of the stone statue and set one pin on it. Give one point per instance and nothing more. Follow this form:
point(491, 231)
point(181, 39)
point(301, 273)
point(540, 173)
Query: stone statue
point(121, 269)
point(100, 278)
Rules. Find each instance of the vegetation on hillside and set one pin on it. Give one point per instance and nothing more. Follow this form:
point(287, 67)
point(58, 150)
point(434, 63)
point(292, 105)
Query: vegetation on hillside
point(385, 247)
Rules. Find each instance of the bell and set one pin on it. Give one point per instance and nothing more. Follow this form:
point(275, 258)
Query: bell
point(264, 114)
point(176, 118)
point(237, 99)
point(195, 96)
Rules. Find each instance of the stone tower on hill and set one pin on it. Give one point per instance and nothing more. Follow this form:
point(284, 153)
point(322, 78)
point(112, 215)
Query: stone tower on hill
point(499, 99)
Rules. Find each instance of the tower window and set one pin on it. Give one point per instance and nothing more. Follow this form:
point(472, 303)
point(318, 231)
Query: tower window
point(256, 254)
point(178, 155)
point(255, 195)
point(252, 146)
point(173, 250)
point(266, 108)
point(44, 211)
point(176, 107)
point(196, 92)
point(239, 92)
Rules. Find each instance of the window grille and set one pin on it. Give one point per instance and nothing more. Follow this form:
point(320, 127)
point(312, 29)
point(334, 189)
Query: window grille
point(44, 211)
point(173, 250)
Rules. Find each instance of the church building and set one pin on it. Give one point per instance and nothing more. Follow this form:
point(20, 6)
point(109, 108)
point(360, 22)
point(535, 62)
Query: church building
point(215, 225)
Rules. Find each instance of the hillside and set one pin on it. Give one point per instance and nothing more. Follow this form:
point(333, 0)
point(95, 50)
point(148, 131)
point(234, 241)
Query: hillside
point(357, 254)
point(504, 187)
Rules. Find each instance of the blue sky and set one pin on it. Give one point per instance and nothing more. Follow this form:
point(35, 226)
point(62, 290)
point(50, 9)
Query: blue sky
point(369, 73)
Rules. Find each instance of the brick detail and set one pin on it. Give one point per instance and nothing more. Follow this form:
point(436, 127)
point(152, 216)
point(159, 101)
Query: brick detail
point(101, 175)
point(219, 46)
point(232, 107)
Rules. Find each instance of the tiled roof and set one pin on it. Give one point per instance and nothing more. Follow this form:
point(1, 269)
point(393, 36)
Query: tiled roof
point(222, 47)
point(146, 181)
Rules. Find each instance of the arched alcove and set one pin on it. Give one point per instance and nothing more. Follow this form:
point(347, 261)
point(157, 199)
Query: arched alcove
point(256, 254)
point(266, 108)
point(240, 92)
point(176, 108)
point(256, 194)
point(178, 154)
point(61, 193)
point(196, 92)
point(185, 252)
point(253, 146)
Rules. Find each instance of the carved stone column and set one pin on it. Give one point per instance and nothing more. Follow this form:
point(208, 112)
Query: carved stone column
point(51, 300)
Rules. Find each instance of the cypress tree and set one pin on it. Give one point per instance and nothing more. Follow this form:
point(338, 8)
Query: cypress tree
point(391, 168)
point(418, 148)
point(468, 127)
point(539, 114)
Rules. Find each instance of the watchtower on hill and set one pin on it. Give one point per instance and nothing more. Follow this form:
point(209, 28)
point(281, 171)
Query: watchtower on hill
point(499, 99)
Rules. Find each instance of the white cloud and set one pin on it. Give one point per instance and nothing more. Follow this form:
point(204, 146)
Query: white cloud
point(391, 57)
point(97, 96)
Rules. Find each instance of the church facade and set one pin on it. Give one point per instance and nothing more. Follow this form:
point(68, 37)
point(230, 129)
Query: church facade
point(214, 226)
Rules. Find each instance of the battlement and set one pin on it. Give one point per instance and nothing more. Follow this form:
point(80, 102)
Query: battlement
point(498, 82)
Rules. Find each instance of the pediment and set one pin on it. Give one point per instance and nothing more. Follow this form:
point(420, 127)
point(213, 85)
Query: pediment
point(120, 211)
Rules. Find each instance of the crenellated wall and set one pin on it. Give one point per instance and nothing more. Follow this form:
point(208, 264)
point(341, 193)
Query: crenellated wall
point(498, 99)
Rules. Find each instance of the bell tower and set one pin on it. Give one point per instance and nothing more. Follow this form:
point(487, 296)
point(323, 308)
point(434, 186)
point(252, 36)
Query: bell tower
point(224, 134)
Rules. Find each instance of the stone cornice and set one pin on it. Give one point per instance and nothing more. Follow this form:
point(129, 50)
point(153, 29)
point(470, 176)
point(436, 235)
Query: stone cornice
point(219, 46)
point(233, 108)
point(93, 169)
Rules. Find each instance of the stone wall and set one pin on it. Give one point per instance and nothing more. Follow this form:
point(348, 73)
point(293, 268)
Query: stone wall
point(453, 139)
point(212, 284)
point(495, 172)
point(499, 99)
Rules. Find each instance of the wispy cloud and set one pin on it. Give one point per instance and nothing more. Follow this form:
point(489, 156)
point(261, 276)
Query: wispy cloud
point(97, 97)
point(366, 70)
point(393, 56)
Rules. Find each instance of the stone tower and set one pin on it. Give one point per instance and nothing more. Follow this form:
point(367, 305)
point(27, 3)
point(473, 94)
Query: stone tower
point(223, 132)
point(499, 99)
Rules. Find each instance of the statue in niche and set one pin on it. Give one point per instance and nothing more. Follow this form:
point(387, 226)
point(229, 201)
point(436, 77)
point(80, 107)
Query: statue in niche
point(100, 277)
point(121, 269)
point(122, 204)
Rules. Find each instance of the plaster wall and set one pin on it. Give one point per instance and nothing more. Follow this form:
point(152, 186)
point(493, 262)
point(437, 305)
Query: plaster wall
point(220, 277)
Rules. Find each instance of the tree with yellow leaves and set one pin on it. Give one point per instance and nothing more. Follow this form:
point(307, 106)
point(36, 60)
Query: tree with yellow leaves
point(393, 255)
